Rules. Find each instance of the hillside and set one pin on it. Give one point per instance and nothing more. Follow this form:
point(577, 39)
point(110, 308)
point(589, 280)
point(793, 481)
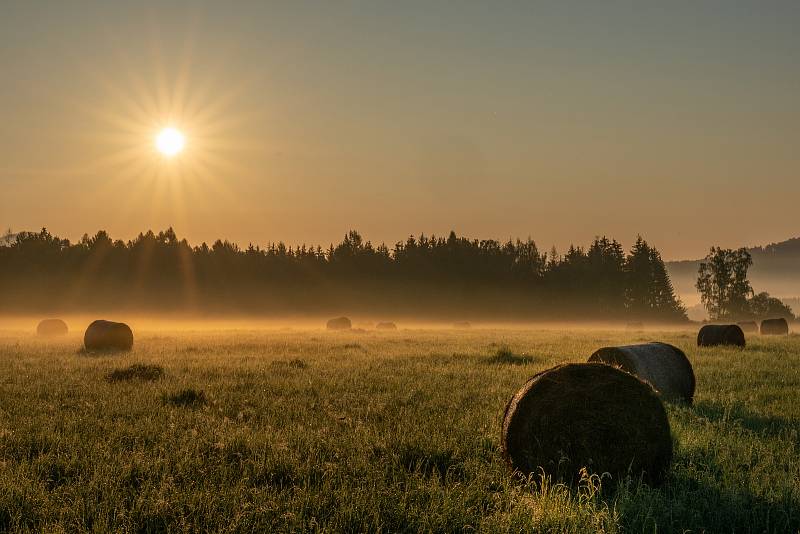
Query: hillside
point(776, 269)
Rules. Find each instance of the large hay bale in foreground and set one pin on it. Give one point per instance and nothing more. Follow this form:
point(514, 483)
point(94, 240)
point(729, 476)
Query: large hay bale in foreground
point(587, 415)
point(712, 335)
point(774, 327)
point(51, 328)
point(663, 366)
point(748, 327)
point(108, 335)
point(386, 326)
point(339, 323)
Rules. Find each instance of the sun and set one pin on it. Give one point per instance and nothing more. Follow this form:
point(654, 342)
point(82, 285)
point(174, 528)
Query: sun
point(170, 141)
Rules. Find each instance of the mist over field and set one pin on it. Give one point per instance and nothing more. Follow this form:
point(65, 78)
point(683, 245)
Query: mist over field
point(151, 323)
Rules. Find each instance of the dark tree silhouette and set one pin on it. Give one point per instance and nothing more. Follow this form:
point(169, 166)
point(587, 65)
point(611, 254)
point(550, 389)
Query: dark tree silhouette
point(723, 284)
point(648, 289)
point(423, 276)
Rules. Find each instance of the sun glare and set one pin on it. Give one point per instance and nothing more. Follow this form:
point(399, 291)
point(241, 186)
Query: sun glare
point(170, 142)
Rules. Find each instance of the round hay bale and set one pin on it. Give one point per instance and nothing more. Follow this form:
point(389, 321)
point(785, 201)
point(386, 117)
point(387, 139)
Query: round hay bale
point(108, 335)
point(386, 326)
point(462, 325)
point(774, 327)
point(587, 415)
point(748, 327)
point(51, 328)
point(339, 323)
point(663, 366)
point(712, 335)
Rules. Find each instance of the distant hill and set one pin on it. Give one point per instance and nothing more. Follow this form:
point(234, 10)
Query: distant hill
point(776, 270)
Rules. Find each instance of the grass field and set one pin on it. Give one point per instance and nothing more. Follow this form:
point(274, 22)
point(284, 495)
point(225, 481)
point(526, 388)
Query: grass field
point(375, 431)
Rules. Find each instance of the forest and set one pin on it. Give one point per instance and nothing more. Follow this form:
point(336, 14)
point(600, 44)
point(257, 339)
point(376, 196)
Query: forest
point(425, 277)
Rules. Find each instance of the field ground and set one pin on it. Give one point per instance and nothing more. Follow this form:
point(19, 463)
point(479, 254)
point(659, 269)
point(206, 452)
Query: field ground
point(373, 431)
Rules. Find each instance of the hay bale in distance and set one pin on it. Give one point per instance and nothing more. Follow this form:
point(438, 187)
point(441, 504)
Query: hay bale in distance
point(51, 328)
point(386, 326)
point(462, 325)
point(108, 335)
point(663, 366)
point(774, 327)
point(339, 323)
point(712, 335)
point(748, 327)
point(587, 415)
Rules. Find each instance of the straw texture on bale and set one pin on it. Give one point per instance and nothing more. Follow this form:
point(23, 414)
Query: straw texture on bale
point(587, 415)
point(339, 323)
point(748, 327)
point(663, 366)
point(108, 335)
point(774, 327)
point(51, 327)
point(712, 335)
point(386, 326)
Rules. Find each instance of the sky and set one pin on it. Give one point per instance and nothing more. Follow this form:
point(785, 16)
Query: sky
point(559, 121)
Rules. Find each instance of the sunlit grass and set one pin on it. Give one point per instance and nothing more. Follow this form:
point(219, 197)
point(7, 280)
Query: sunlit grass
point(376, 431)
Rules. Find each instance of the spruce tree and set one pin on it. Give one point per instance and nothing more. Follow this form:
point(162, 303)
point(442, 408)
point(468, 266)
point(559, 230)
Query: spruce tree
point(649, 291)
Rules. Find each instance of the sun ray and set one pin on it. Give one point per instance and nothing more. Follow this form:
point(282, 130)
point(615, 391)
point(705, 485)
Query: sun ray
point(169, 139)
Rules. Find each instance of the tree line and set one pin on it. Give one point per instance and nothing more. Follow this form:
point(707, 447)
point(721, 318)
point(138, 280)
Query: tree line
point(424, 276)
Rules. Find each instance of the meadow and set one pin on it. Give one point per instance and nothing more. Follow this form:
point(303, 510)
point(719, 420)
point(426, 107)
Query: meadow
point(306, 430)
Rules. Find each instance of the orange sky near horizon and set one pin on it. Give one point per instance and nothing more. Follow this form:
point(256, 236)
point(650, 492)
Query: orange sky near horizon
point(304, 120)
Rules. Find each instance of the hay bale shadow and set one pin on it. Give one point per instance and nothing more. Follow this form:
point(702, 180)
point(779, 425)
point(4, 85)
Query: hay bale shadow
point(186, 398)
point(737, 413)
point(137, 371)
point(716, 507)
point(439, 463)
point(505, 356)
